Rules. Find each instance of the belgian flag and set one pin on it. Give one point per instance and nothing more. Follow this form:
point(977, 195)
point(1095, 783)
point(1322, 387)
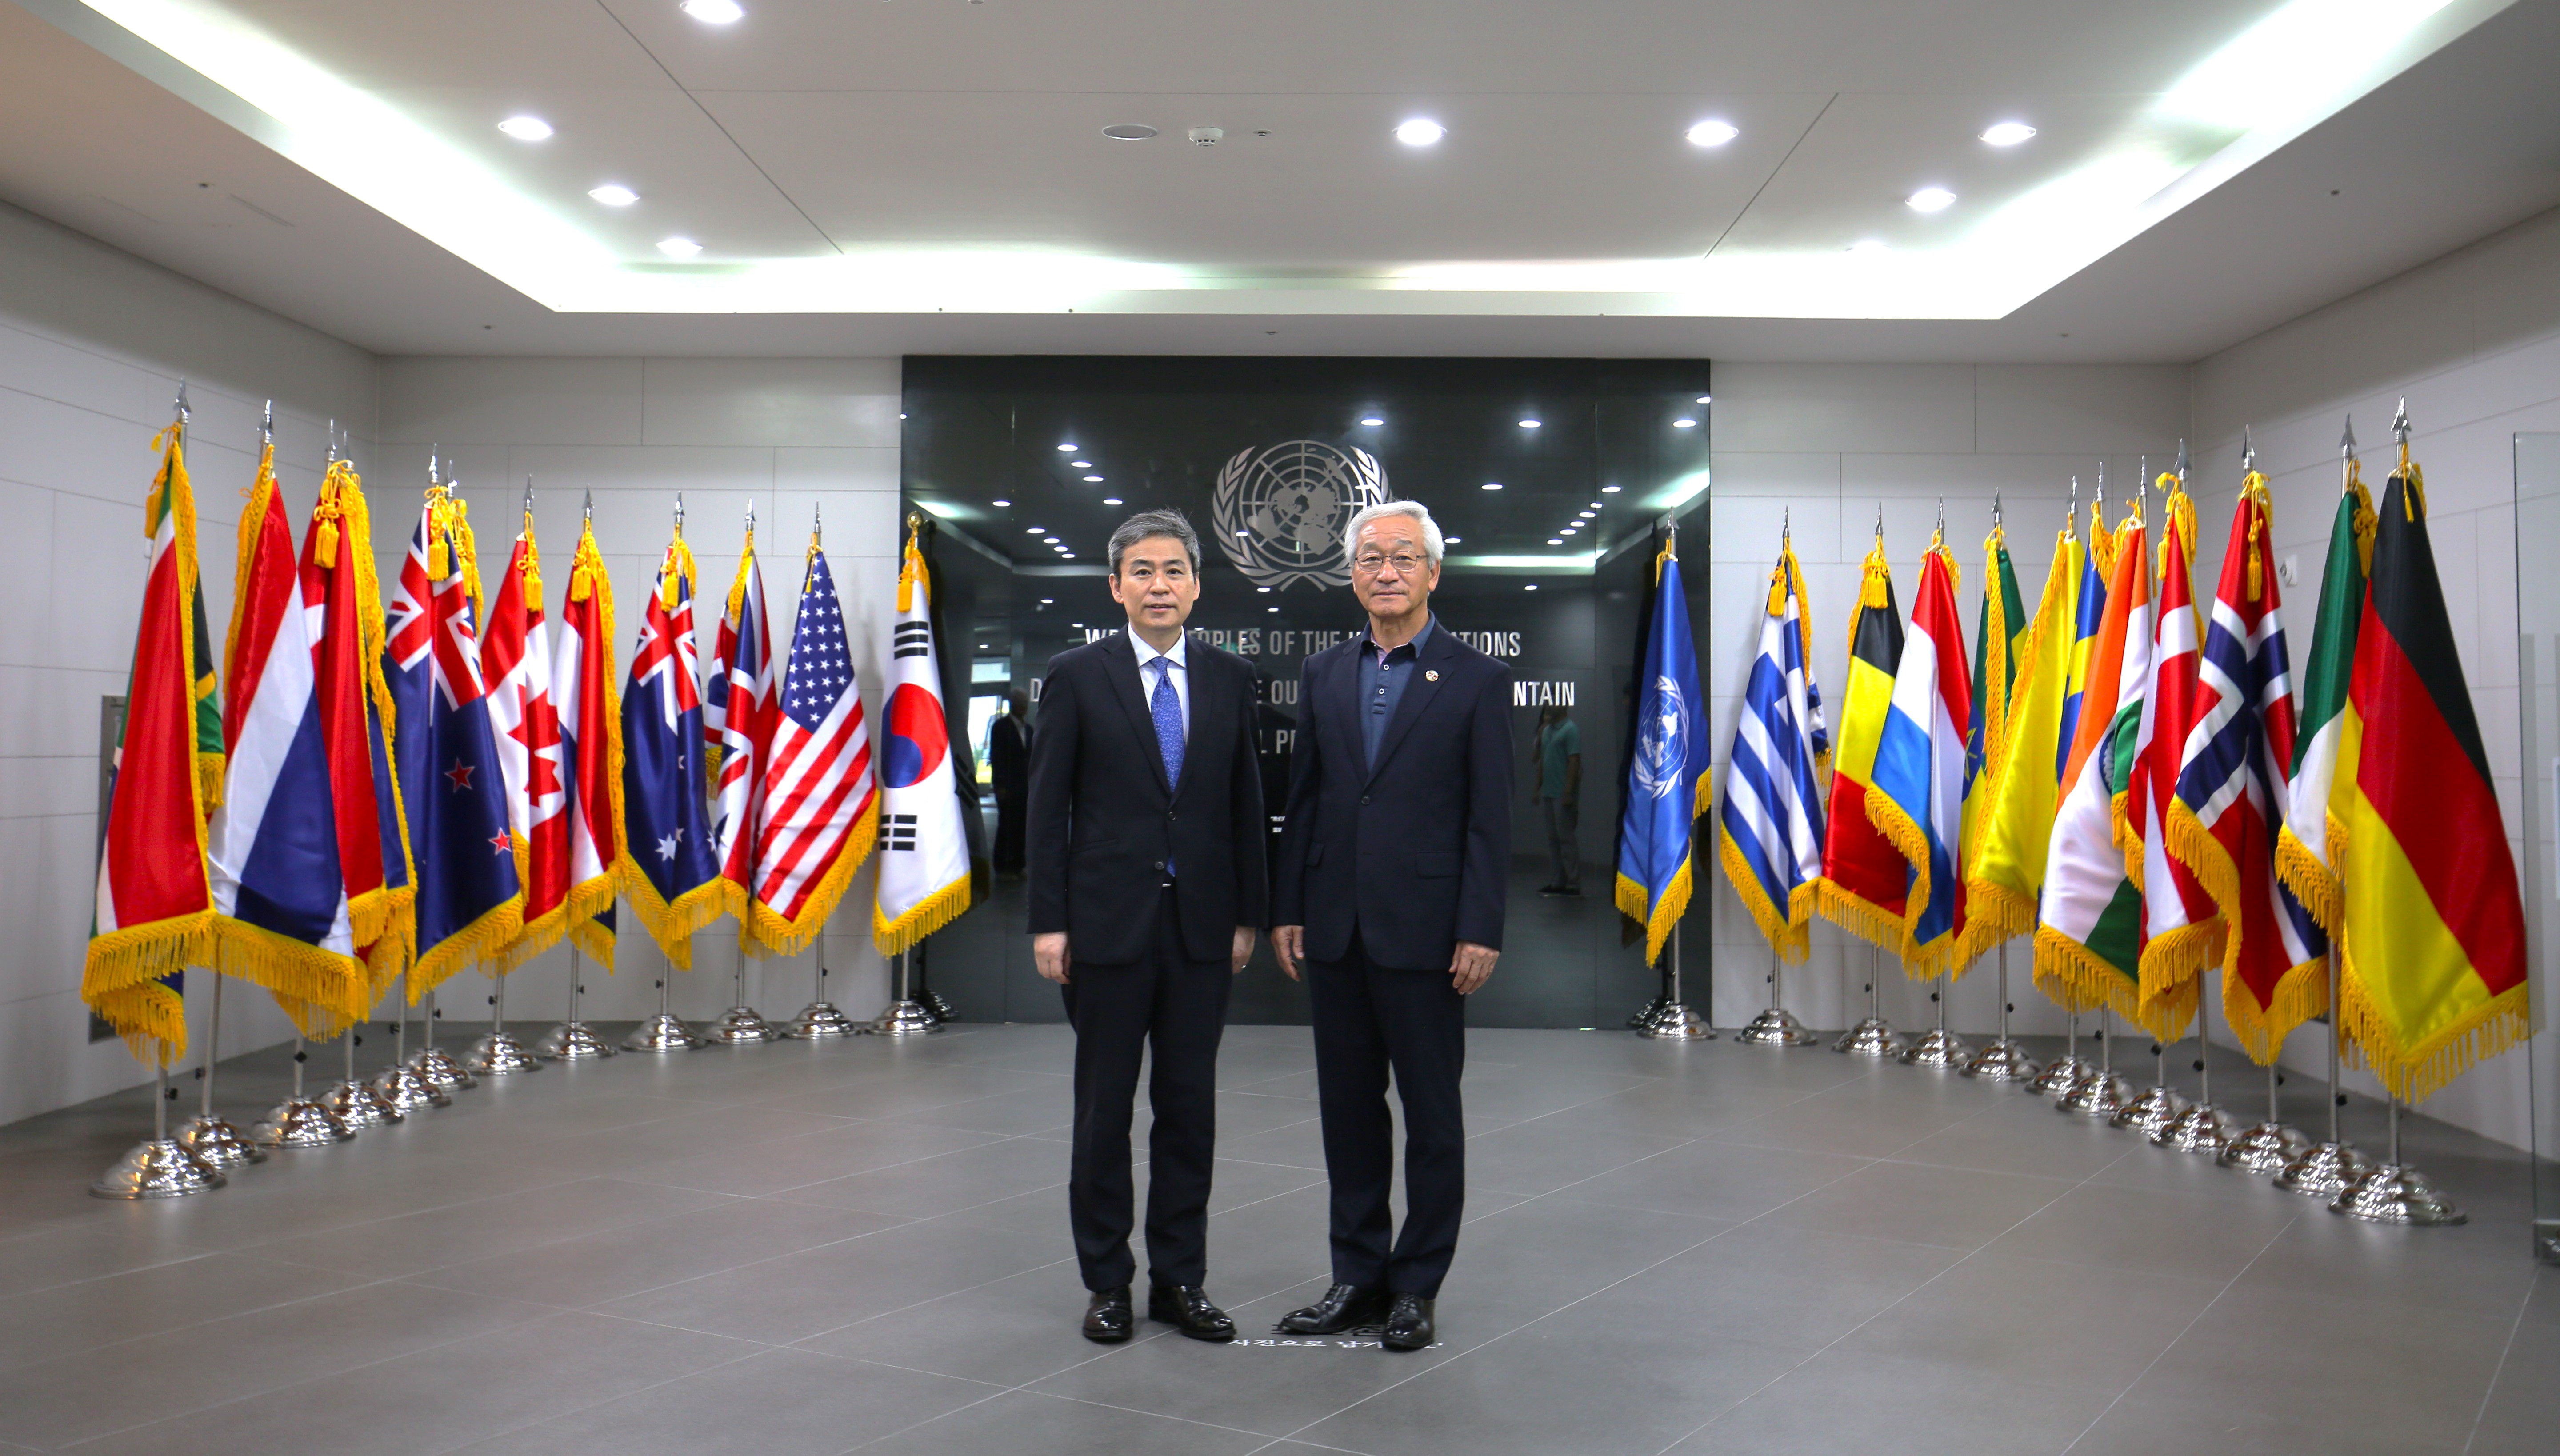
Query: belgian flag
point(1864, 878)
point(2432, 932)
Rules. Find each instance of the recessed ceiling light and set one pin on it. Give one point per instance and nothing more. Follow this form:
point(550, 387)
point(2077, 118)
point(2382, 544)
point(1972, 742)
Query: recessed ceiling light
point(1371, 419)
point(1712, 133)
point(1068, 448)
point(1034, 531)
point(526, 128)
point(1420, 131)
point(1129, 131)
point(1868, 245)
point(1451, 539)
point(679, 247)
point(1081, 464)
point(1110, 500)
point(1244, 532)
point(1595, 504)
point(1070, 556)
point(2008, 133)
point(613, 194)
point(1706, 399)
point(714, 12)
point(1684, 423)
point(1265, 590)
point(1000, 503)
point(1048, 601)
point(1587, 515)
point(1931, 200)
point(1531, 423)
point(1493, 485)
point(1093, 480)
point(1609, 490)
point(1532, 586)
point(1049, 541)
point(1555, 541)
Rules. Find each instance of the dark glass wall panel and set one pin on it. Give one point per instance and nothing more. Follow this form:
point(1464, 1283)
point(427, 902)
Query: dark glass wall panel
point(1266, 458)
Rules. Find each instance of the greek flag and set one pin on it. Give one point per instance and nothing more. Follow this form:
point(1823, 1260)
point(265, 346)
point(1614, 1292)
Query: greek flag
point(1770, 825)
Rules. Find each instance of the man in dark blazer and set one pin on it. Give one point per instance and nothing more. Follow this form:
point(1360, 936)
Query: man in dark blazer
point(1394, 866)
point(1008, 753)
point(1146, 879)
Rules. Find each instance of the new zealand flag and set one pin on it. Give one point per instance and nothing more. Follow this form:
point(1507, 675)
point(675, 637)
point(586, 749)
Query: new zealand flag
point(470, 904)
point(670, 865)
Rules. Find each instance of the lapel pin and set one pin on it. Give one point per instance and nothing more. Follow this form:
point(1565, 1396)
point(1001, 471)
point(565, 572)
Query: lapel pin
point(1432, 676)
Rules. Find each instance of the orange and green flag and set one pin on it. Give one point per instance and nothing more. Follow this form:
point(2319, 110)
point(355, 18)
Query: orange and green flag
point(2431, 934)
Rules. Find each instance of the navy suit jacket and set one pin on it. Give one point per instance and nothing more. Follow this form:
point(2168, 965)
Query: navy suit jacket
point(1414, 852)
point(1102, 821)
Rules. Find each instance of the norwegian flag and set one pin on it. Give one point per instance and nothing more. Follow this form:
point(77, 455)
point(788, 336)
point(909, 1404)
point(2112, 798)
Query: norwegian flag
point(2182, 928)
point(737, 727)
point(2231, 794)
point(820, 811)
point(515, 659)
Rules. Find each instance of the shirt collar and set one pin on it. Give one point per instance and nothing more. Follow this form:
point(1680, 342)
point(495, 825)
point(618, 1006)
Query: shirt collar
point(1146, 653)
point(1368, 636)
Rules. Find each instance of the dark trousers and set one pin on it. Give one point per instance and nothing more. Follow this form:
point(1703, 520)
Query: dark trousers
point(1008, 850)
point(1173, 1006)
point(1369, 1020)
point(1563, 848)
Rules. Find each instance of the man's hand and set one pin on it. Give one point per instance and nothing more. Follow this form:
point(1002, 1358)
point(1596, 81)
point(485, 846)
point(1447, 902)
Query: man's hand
point(1471, 966)
point(1049, 953)
point(1289, 942)
point(1243, 950)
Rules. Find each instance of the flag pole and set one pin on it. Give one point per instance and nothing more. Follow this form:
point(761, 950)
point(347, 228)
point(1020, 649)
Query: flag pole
point(2003, 1060)
point(743, 1025)
point(298, 1123)
point(820, 1018)
point(2103, 1093)
point(2202, 1127)
point(214, 1142)
point(160, 1168)
point(439, 1067)
point(498, 1053)
point(904, 1015)
point(1873, 1037)
point(574, 1040)
point(353, 1099)
point(1673, 1020)
point(398, 1083)
point(664, 1032)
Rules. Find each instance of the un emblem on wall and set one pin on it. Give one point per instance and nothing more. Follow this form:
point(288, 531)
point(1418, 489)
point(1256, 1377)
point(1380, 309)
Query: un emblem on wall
point(1280, 512)
point(1662, 742)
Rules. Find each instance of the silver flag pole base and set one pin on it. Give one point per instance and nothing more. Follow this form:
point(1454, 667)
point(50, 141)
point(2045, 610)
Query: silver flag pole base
point(2147, 1114)
point(2101, 1095)
point(2060, 1076)
point(2265, 1148)
point(156, 1168)
point(663, 1032)
point(2001, 1062)
point(1646, 1014)
point(401, 1086)
point(1674, 1022)
point(500, 1054)
point(937, 1008)
point(1941, 1050)
point(215, 1143)
point(2201, 1128)
point(1869, 1038)
point(1776, 1026)
point(742, 1026)
point(443, 1069)
point(359, 1106)
point(296, 1125)
point(820, 1020)
point(904, 1019)
point(2391, 1193)
point(2323, 1171)
point(572, 1042)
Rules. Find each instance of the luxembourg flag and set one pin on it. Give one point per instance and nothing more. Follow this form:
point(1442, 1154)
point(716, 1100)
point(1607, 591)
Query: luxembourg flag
point(924, 854)
point(1919, 802)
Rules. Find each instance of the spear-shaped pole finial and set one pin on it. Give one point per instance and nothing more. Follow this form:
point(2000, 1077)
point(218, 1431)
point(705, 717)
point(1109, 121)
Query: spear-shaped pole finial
point(333, 441)
point(2248, 453)
point(1942, 515)
point(179, 405)
point(266, 424)
point(1879, 523)
point(434, 477)
point(680, 513)
point(2347, 440)
point(1787, 527)
point(817, 525)
point(587, 511)
point(2181, 471)
point(2400, 423)
point(1995, 510)
point(528, 503)
point(750, 514)
point(2071, 515)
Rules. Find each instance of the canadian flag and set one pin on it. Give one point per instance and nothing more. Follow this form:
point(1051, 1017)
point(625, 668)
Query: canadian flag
point(516, 658)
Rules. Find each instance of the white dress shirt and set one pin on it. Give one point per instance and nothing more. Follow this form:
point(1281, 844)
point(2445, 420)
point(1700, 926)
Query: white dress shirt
point(1180, 672)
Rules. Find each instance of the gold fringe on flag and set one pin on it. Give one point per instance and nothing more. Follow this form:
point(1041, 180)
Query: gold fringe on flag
point(589, 578)
point(2072, 974)
point(2415, 1073)
point(762, 932)
point(927, 916)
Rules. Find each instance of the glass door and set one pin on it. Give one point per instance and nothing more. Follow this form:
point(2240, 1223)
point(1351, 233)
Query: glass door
point(2537, 590)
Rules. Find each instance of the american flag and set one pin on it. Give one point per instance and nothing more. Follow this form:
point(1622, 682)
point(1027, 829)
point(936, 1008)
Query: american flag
point(817, 822)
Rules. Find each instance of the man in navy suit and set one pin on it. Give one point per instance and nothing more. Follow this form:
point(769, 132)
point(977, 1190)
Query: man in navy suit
point(1394, 870)
point(1146, 879)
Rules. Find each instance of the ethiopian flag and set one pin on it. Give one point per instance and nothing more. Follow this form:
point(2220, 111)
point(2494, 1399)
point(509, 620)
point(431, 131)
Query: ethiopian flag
point(1863, 876)
point(154, 911)
point(2431, 926)
point(2022, 765)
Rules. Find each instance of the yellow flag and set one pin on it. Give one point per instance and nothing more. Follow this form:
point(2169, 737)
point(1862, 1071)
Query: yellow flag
point(2006, 869)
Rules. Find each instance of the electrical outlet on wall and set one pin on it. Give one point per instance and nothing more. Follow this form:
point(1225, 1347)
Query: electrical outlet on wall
point(2290, 571)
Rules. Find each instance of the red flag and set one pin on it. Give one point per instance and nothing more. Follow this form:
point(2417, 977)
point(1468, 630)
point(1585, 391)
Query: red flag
point(516, 660)
point(590, 727)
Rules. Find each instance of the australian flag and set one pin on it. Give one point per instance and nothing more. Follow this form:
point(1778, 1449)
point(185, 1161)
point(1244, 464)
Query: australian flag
point(670, 865)
point(470, 904)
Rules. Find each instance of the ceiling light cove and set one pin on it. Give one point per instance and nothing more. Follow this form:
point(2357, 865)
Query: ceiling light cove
point(714, 12)
point(1930, 200)
point(613, 194)
point(2008, 133)
point(1712, 133)
point(680, 248)
point(1420, 131)
point(527, 128)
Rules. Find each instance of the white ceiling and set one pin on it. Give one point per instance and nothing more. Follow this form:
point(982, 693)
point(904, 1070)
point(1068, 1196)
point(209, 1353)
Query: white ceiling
point(958, 144)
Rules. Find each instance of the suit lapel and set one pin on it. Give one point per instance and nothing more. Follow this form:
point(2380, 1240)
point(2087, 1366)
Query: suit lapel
point(1419, 690)
point(1120, 663)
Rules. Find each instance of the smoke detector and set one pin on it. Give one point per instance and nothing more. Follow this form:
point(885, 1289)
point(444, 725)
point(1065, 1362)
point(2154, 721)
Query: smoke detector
point(1207, 136)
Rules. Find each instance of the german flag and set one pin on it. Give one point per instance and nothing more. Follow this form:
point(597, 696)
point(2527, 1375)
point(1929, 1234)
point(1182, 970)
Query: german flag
point(2432, 939)
point(1864, 878)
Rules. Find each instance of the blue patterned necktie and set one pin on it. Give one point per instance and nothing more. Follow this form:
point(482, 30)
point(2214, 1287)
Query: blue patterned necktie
point(1167, 708)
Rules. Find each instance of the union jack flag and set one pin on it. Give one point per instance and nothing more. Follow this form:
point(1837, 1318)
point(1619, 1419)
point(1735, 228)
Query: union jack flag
point(737, 727)
point(819, 816)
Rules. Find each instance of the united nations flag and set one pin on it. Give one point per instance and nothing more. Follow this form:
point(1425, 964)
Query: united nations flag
point(1666, 774)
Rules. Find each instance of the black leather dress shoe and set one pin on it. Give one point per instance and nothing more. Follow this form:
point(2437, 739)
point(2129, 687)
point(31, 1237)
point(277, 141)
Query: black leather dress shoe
point(1408, 1323)
point(1186, 1307)
point(1107, 1319)
point(1343, 1307)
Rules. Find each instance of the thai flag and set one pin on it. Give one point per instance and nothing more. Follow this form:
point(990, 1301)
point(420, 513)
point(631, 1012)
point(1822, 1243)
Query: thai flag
point(470, 902)
point(737, 726)
point(671, 873)
point(1919, 778)
point(817, 820)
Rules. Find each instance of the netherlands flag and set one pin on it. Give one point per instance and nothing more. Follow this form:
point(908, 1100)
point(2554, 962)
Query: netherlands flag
point(1919, 799)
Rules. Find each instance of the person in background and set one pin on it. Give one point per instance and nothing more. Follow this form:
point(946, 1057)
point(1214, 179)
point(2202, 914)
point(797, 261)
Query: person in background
point(1147, 882)
point(1556, 761)
point(1009, 761)
point(1394, 871)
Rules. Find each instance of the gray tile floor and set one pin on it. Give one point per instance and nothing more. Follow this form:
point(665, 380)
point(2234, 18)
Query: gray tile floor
point(1672, 1249)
